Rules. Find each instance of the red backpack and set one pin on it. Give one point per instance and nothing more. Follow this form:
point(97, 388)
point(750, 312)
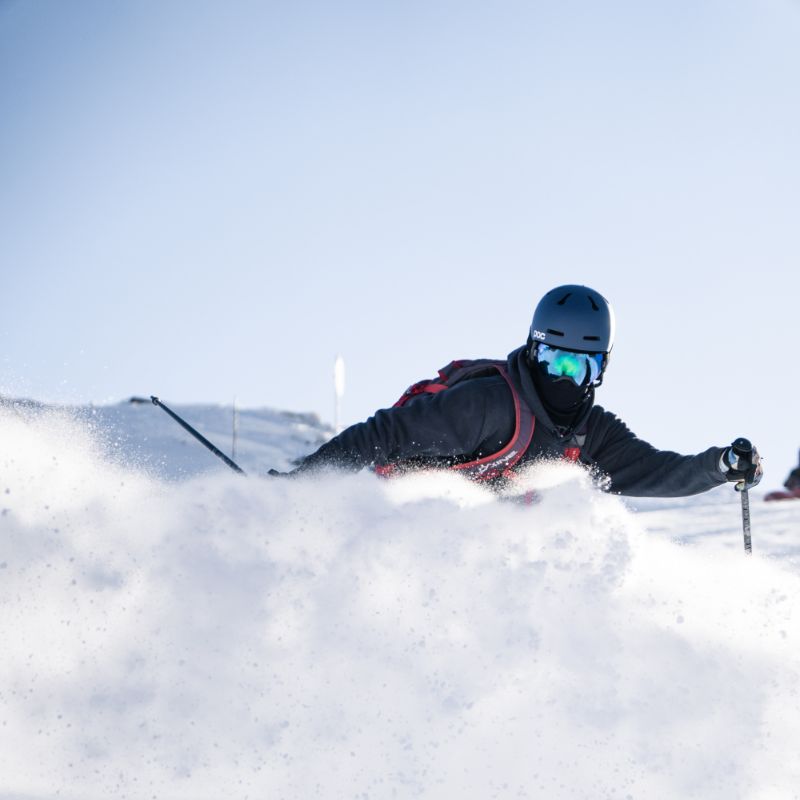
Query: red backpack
point(501, 462)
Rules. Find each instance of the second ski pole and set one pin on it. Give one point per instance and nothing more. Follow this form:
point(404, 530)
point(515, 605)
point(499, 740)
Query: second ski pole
point(199, 436)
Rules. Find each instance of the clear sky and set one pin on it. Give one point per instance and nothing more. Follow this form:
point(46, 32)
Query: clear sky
point(211, 200)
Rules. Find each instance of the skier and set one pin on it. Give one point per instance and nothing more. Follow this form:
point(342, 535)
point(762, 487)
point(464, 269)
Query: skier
point(791, 488)
point(489, 418)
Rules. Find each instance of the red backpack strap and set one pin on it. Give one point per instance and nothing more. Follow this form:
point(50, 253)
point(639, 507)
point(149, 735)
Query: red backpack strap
point(502, 462)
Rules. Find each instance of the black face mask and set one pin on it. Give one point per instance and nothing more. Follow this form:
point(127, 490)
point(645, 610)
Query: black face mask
point(562, 397)
point(560, 393)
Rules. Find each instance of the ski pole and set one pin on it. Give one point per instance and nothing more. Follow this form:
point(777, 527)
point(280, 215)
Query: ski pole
point(742, 448)
point(199, 436)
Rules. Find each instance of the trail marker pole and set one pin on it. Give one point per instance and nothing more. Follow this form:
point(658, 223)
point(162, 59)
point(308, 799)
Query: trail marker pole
point(338, 387)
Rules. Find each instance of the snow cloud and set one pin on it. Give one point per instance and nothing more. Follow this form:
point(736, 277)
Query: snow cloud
point(355, 637)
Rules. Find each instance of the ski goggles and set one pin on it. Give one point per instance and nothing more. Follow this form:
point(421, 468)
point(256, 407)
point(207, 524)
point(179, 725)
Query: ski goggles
point(566, 364)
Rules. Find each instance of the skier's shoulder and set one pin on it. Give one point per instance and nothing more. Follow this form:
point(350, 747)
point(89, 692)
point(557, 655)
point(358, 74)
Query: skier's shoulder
point(471, 376)
point(485, 389)
point(604, 422)
point(472, 390)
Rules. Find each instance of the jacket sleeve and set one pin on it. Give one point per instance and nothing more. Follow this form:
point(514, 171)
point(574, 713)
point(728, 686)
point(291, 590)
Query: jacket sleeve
point(635, 468)
point(470, 418)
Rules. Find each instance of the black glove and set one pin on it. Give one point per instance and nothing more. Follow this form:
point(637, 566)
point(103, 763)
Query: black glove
point(741, 463)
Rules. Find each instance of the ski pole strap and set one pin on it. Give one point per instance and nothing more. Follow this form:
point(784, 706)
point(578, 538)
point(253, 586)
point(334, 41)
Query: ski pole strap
point(199, 436)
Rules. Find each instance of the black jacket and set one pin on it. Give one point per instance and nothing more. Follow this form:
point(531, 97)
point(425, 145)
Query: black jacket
point(475, 418)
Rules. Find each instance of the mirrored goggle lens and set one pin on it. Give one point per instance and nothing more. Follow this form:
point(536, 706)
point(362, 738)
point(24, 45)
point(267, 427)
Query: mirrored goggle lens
point(566, 364)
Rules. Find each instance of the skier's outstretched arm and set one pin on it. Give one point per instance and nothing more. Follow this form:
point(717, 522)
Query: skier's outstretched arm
point(636, 468)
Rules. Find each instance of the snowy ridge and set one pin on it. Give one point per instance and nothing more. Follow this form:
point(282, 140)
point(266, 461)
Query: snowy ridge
point(355, 637)
point(141, 436)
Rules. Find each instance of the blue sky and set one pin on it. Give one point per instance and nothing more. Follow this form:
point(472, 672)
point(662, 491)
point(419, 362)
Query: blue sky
point(211, 200)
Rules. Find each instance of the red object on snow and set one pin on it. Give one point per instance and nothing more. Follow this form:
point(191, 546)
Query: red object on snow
point(783, 494)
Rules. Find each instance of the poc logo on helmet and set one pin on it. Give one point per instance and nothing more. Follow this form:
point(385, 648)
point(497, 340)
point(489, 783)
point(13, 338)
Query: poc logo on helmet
point(538, 335)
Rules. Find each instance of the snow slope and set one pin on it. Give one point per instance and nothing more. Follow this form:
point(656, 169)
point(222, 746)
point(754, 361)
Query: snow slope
point(219, 636)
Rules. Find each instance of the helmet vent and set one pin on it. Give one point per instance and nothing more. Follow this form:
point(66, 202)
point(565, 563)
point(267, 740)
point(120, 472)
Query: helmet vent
point(555, 332)
point(564, 300)
point(592, 338)
point(595, 307)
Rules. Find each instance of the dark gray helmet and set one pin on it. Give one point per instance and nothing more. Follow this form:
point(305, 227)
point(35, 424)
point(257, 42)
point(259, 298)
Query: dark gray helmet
point(574, 318)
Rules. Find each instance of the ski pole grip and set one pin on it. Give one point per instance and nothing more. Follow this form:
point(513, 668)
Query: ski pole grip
point(742, 447)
